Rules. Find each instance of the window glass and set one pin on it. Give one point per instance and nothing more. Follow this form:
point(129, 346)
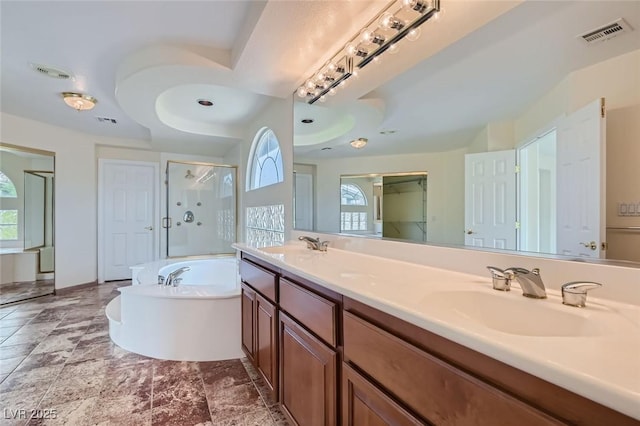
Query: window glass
point(266, 166)
point(7, 188)
point(8, 224)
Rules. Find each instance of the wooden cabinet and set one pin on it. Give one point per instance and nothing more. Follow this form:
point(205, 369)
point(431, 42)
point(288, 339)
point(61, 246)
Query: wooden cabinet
point(260, 321)
point(332, 360)
point(248, 304)
point(266, 332)
point(308, 376)
point(363, 404)
point(435, 390)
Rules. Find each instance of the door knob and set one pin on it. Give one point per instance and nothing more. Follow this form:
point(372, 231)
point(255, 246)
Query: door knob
point(469, 232)
point(149, 228)
point(592, 245)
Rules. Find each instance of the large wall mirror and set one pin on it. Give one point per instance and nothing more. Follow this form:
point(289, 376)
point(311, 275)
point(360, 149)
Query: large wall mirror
point(529, 136)
point(27, 185)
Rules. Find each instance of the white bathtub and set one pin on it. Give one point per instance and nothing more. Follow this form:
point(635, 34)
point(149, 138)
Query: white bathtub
point(199, 320)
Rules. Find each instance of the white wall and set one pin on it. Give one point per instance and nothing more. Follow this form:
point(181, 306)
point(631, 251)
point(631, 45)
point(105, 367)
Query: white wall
point(616, 79)
point(278, 116)
point(75, 193)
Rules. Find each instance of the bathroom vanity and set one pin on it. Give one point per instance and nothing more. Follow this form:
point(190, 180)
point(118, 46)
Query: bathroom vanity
point(351, 339)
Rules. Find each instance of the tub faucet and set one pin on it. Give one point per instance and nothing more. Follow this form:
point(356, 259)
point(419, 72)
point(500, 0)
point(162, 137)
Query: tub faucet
point(172, 278)
point(314, 243)
point(530, 282)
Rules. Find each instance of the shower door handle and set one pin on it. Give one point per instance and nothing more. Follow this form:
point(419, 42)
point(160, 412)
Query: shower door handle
point(149, 228)
point(166, 222)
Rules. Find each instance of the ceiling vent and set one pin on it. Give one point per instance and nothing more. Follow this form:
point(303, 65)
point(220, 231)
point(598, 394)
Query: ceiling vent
point(106, 120)
point(51, 71)
point(606, 32)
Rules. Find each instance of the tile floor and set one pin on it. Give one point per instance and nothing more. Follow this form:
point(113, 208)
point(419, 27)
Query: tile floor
point(56, 357)
point(13, 292)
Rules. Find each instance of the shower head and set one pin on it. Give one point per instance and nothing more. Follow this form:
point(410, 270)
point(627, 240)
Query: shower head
point(189, 175)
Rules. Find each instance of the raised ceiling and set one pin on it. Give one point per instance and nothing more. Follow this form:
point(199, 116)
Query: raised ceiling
point(149, 62)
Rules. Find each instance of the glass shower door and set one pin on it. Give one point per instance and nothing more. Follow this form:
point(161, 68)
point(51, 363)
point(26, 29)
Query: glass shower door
point(201, 209)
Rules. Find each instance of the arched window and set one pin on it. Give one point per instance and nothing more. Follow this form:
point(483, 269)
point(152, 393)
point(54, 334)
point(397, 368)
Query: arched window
point(354, 216)
point(265, 163)
point(352, 195)
point(8, 218)
point(7, 188)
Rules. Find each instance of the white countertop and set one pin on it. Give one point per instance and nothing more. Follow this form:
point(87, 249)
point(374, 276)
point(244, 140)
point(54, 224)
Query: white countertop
point(600, 362)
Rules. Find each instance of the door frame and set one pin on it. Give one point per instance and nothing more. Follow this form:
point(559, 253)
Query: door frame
point(102, 162)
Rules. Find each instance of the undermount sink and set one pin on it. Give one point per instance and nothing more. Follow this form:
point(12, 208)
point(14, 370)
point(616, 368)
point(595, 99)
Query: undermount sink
point(286, 249)
point(513, 314)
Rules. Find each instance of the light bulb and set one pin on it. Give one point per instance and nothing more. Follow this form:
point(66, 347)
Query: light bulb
point(414, 34)
point(418, 5)
point(302, 91)
point(354, 50)
point(331, 67)
point(310, 84)
point(389, 22)
point(366, 35)
point(320, 76)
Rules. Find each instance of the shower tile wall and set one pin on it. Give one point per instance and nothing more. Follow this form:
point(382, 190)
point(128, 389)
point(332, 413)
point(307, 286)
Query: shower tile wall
point(265, 225)
point(209, 194)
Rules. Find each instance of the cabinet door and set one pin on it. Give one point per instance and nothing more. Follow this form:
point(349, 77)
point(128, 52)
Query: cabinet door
point(308, 376)
point(365, 405)
point(248, 321)
point(266, 348)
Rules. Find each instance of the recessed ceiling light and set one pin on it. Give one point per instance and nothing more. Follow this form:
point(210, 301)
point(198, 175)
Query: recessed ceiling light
point(307, 120)
point(205, 102)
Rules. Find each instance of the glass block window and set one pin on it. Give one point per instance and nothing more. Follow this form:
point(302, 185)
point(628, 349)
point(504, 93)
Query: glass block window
point(353, 221)
point(265, 225)
point(265, 164)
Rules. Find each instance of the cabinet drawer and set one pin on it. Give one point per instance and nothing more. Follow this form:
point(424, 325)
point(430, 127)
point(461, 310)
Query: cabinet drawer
point(435, 390)
point(364, 404)
point(259, 278)
point(311, 310)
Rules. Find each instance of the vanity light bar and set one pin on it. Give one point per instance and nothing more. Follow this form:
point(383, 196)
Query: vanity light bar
point(371, 42)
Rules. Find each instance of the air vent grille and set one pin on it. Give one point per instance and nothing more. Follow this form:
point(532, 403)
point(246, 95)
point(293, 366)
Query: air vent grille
point(106, 120)
point(52, 72)
point(606, 32)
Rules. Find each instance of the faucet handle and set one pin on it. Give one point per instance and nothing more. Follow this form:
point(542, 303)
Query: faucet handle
point(515, 270)
point(160, 279)
point(575, 293)
point(501, 281)
point(323, 245)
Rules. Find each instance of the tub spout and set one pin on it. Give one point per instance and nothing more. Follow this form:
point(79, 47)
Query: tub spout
point(172, 278)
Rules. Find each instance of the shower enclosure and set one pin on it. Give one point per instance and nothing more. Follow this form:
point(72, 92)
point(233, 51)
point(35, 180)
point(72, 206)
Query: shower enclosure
point(201, 209)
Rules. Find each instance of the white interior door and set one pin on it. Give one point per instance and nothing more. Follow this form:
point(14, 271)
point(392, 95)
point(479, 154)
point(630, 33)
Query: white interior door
point(303, 201)
point(490, 203)
point(581, 182)
point(128, 193)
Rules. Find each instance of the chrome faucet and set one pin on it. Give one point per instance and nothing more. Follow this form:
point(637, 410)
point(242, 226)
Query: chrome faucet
point(530, 282)
point(501, 281)
point(314, 243)
point(172, 278)
point(575, 293)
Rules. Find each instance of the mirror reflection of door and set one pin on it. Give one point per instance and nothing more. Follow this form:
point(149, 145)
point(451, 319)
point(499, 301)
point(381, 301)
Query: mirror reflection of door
point(581, 185)
point(490, 203)
point(303, 194)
